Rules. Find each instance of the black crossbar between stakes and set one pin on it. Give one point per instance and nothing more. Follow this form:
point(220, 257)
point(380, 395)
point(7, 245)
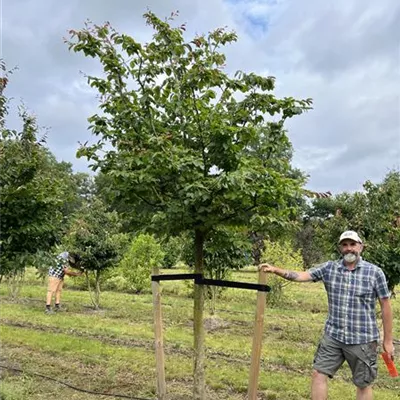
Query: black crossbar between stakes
point(239, 285)
point(174, 277)
point(200, 280)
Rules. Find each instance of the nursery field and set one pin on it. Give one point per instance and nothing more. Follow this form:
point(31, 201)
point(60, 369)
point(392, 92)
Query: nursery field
point(111, 350)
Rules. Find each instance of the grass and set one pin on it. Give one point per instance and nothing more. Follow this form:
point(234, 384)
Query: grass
point(112, 350)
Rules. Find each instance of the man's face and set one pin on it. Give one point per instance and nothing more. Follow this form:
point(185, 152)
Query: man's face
point(348, 246)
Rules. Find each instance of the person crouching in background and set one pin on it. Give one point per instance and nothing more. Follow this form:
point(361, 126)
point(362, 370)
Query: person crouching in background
point(56, 275)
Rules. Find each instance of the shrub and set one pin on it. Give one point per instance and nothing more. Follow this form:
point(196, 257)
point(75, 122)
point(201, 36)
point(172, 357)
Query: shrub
point(173, 248)
point(116, 283)
point(280, 254)
point(144, 254)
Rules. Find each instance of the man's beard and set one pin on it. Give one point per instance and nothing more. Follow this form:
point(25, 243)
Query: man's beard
point(350, 257)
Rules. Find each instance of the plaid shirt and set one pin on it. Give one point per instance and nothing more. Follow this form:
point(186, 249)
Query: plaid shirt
point(352, 298)
point(58, 270)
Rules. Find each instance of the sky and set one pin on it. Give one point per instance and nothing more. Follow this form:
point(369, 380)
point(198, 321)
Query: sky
point(344, 54)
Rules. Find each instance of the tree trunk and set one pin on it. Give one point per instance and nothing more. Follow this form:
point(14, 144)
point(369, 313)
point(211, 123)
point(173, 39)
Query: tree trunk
point(213, 300)
point(92, 299)
point(97, 290)
point(198, 327)
point(15, 282)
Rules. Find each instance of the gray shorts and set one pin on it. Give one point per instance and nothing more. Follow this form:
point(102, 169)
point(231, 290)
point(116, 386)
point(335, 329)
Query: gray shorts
point(362, 359)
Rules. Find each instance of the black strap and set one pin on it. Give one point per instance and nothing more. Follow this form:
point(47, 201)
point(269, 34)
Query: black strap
point(239, 285)
point(200, 280)
point(174, 277)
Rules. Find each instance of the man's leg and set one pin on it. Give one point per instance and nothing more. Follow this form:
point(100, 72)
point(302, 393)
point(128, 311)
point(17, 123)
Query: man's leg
point(319, 386)
point(51, 289)
point(49, 297)
point(327, 360)
point(58, 292)
point(363, 363)
point(364, 393)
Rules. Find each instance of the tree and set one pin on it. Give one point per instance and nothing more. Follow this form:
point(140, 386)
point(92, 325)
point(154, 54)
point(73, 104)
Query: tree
point(380, 214)
point(33, 192)
point(81, 187)
point(93, 234)
point(173, 247)
point(374, 213)
point(186, 138)
point(114, 199)
point(305, 240)
point(144, 254)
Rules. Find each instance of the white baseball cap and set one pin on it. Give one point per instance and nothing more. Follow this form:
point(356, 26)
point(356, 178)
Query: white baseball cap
point(64, 255)
point(350, 235)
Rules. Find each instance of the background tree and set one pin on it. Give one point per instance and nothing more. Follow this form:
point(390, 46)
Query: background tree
point(94, 235)
point(381, 225)
point(113, 198)
point(81, 188)
point(34, 191)
point(373, 213)
point(305, 240)
point(183, 135)
point(173, 248)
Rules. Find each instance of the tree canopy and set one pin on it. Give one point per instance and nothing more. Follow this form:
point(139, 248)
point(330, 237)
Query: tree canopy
point(374, 213)
point(35, 191)
point(185, 150)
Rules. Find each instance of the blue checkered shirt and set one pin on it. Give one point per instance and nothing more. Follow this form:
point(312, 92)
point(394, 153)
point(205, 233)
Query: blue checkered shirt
point(58, 270)
point(352, 299)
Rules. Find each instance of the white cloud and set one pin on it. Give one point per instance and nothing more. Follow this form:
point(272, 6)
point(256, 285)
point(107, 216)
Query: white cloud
point(315, 158)
point(343, 53)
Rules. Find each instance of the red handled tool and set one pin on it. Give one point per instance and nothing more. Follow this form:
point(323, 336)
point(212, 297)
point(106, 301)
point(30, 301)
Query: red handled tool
point(390, 364)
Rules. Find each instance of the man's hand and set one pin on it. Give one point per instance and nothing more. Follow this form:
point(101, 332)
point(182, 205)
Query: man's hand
point(388, 347)
point(266, 268)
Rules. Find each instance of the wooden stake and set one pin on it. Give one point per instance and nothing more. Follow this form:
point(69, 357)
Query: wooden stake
point(257, 339)
point(159, 344)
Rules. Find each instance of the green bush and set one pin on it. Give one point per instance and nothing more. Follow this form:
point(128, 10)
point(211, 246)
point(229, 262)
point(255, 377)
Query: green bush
point(116, 283)
point(144, 254)
point(173, 248)
point(280, 254)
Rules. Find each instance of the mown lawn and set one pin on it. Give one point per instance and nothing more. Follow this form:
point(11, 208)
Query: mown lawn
point(111, 350)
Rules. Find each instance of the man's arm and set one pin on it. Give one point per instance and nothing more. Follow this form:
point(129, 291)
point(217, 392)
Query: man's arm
point(69, 272)
point(296, 276)
point(387, 319)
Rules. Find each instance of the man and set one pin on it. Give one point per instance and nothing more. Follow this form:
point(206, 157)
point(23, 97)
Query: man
point(351, 331)
point(56, 278)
